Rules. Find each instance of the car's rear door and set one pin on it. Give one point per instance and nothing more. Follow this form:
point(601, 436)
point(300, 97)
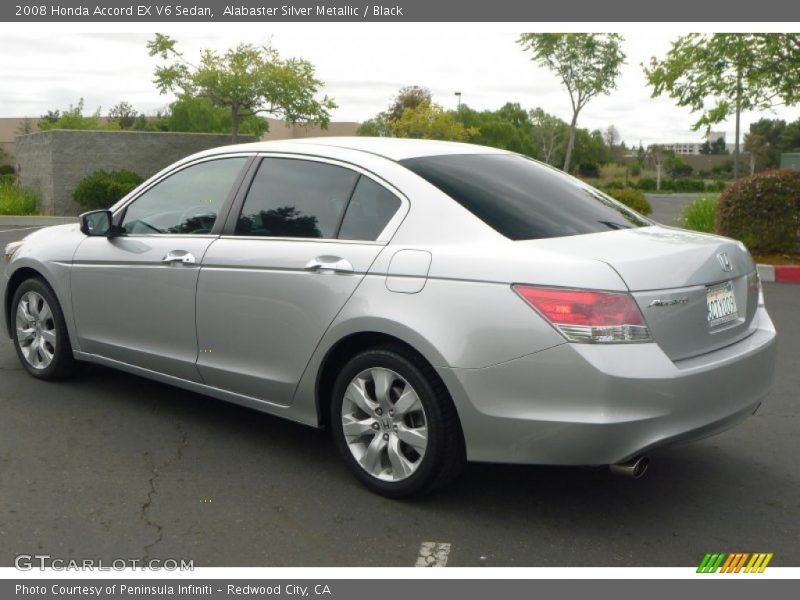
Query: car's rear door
point(133, 295)
point(306, 234)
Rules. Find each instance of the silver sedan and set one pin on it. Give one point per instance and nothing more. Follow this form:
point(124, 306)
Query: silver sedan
point(431, 303)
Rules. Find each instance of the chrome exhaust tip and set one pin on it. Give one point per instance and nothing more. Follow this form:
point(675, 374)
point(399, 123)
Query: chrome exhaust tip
point(634, 468)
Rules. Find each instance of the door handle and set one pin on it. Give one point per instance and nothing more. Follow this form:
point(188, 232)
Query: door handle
point(329, 263)
point(179, 256)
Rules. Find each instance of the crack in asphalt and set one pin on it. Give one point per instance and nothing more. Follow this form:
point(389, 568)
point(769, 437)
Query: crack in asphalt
point(154, 474)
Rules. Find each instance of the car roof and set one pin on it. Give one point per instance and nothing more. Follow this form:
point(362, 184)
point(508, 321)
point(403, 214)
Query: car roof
point(391, 148)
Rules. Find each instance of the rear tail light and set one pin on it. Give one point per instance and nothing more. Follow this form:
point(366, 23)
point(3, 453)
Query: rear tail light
point(588, 316)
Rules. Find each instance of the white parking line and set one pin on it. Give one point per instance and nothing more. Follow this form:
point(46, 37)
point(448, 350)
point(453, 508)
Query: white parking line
point(433, 554)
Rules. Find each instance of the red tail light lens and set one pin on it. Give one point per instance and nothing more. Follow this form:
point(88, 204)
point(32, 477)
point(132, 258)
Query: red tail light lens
point(588, 316)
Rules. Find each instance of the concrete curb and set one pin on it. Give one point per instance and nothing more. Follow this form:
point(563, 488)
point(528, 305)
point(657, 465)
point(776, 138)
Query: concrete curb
point(34, 221)
point(779, 273)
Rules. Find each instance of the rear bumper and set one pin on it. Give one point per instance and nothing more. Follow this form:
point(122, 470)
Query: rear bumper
point(593, 405)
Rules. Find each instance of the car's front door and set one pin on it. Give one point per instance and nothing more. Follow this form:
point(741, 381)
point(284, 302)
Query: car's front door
point(133, 295)
point(306, 235)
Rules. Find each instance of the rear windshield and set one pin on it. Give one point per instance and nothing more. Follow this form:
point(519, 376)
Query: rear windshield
point(521, 198)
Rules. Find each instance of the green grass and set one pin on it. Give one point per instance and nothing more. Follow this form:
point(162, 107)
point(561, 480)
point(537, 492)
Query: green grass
point(16, 200)
point(699, 214)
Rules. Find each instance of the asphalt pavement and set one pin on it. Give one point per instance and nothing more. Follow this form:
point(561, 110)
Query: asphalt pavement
point(667, 207)
point(109, 465)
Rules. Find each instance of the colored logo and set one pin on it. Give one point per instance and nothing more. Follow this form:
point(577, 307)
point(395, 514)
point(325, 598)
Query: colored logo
point(737, 562)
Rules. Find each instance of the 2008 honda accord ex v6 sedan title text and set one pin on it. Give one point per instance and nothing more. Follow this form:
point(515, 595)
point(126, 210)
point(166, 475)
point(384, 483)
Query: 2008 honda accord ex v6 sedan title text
point(429, 302)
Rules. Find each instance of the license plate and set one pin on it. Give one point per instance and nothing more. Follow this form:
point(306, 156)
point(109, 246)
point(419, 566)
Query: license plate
point(721, 304)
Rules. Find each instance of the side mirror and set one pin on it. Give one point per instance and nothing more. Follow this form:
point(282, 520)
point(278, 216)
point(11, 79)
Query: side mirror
point(97, 223)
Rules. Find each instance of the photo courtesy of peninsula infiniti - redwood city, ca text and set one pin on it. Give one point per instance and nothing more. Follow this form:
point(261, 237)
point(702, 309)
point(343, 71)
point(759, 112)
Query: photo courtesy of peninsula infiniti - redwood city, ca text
point(430, 303)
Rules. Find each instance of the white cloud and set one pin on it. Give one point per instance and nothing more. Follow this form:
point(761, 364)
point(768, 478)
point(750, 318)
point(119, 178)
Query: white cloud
point(362, 65)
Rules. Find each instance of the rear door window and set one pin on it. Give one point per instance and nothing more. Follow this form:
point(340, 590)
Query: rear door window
point(370, 210)
point(296, 198)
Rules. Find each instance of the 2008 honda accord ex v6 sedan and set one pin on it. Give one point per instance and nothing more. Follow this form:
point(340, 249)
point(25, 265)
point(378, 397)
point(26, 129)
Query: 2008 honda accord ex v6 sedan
point(429, 302)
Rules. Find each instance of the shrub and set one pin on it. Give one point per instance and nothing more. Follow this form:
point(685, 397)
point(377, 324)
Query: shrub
point(16, 200)
point(7, 170)
point(688, 185)
point(633, 199)
point(647, 184)
point(614, 184)
point(102, 189)
point(716, 186)
point(699, 215)
point(684, 185)
point(588, 170)
point(763, 211)
point(8, 178)
point(636, 170)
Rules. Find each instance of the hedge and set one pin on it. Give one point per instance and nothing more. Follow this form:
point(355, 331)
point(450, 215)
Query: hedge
point(763, 211)
point(102, 189)
point(679, 184)
point(632, 198)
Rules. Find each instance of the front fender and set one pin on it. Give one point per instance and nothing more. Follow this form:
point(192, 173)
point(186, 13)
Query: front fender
point(46, 253)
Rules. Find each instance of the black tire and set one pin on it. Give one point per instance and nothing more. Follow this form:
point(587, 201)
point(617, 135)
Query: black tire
point(444, 457)
point(63, 362)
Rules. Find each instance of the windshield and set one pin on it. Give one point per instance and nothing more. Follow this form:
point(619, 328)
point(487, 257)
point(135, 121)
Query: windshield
point(523, 199)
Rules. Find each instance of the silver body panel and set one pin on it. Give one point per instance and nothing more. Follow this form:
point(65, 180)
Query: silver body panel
point(131, 307)
point(250, 323)
point(275, 310)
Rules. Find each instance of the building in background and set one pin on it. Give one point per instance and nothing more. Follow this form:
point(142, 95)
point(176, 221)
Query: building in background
point(694, 148)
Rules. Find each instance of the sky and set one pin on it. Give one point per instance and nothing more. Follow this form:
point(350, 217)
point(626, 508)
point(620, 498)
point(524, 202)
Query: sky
point(362, 65)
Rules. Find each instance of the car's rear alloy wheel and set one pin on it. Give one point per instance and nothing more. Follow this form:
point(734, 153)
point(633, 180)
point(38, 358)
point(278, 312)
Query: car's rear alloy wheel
point(395, 424)
point(384, 424)
point(40, 333)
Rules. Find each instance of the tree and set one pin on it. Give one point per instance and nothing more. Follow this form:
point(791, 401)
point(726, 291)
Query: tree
point(773, 131)
point(25, 127)
point(199, 115)
point(740, 71)
point(588, 65)
point(123, 114)
point(51, 116)
point(246, 80)
point(612, 140)
point(410, 96)
point(378, 126)
point(73, 118)
point(431, 122)
point(549, 132)
point(758, 147)
point(718, 146)
point(676, 165)
point(611, 136)
point(658, 155)
point(509, 127)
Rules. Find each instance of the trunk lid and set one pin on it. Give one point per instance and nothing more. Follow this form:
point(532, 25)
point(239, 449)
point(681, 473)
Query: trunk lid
point(686, 284)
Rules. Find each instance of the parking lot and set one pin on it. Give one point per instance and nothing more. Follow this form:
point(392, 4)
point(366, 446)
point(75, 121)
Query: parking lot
point(108, 465)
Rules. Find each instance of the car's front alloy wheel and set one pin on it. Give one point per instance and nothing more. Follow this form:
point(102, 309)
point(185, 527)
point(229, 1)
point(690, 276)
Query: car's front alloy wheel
point(36, 330)
point(39, 331)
